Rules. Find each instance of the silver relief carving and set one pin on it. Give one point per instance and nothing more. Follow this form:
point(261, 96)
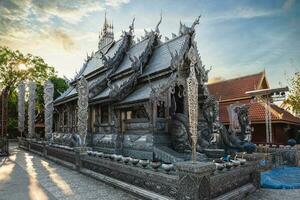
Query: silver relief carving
point(31, 109)
point(83, 92)
point(21, 106)
point(192, 100)
point(48, 101)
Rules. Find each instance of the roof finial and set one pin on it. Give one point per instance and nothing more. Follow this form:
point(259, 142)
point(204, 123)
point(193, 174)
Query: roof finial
point(131, 27)
point(156, 28)
point(195, 22)
point(105, 25)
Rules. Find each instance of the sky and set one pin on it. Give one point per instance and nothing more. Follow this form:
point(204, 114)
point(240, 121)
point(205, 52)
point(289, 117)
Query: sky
point(234, 37)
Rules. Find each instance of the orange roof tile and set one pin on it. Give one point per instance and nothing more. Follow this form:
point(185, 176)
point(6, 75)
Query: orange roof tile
point(235, 88)
point(257, 114)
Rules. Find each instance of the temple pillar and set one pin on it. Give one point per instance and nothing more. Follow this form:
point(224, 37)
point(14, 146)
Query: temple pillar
point(48, 101)
point(83, 92)
point(31, 109)
point(21, 107)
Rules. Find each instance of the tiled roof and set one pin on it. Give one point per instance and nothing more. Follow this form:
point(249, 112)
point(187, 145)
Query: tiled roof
point(257, 113)
point(71, 91)
point(134, 51)
point(235, 88)
point(161, 58)
point(143, 91)
point(96, 61)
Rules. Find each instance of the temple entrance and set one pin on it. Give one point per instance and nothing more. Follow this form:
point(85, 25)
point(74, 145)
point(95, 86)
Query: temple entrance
point(177, 103)
point(125, 115)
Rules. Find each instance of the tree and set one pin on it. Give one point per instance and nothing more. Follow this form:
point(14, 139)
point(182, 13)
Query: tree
point(16, 67)
point(293, 100)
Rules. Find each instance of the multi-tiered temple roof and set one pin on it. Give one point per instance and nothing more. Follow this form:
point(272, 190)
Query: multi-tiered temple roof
point(125, 70)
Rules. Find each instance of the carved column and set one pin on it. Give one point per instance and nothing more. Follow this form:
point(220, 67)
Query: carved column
point(83, 92)
point(21, 107)
point(31, 109)
point(192, 100)
point(48, 101)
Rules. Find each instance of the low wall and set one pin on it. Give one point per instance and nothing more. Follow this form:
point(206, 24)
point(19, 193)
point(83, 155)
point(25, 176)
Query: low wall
point(228, 180)
point(197, 180)
point(165, 184)
point(280, 155)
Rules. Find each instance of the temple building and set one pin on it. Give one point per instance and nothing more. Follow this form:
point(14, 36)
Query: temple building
point(135, 86)
point(284, 124)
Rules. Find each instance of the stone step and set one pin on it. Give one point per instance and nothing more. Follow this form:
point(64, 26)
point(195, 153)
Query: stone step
point(166, 154)
point(239, 193)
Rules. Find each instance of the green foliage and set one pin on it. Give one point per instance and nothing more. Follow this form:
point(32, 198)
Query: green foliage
point(293, 99)
point(60, 85)
point(16, 67)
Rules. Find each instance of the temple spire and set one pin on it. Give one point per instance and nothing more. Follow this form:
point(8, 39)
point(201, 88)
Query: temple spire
point(106, 36)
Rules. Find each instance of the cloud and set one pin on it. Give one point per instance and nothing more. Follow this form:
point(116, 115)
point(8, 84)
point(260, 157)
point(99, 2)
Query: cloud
point(288, 4)
point(62, 37)
point(37, 21)
point(68, 11)
point(116, 3)
point(242, 13)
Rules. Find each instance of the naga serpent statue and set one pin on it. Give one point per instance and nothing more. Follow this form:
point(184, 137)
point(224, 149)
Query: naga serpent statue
point(212, 134)
point(229, 139)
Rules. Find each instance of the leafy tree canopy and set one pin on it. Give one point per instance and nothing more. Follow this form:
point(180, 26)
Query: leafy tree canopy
point(16, 66)
point(293, 99)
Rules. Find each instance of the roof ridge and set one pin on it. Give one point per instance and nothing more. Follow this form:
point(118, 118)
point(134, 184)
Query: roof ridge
point(237, 78)
point(163, 43)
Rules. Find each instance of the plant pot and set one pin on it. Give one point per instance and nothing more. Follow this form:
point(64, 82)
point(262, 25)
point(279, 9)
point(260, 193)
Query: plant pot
point(100, 154)
point(135, 161)
point(155, 165)
point(126, 160)
point(144, 163)
point(118, 158)
point(228, 165)
point(167, 167)
point(219, 167)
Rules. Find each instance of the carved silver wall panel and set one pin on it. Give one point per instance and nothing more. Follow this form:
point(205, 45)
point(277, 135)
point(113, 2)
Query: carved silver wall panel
point(83, 97)
point(21, 106)
point(192, 101)
point(48, 101)
point(31, 109)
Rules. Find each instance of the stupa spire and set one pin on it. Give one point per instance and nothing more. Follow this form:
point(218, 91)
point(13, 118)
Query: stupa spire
point(106, 36)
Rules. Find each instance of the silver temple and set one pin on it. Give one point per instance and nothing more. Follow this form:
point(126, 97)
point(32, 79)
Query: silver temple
point(133, 98)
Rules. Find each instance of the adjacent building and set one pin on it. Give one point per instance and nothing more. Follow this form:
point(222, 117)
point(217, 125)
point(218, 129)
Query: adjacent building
point(284, 124)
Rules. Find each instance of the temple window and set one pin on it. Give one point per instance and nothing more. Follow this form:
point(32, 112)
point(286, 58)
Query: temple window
point(139, 112)
point(161, 110)
point(93, 119)
point(129, 114)
point(65, 120)
point(104, 115)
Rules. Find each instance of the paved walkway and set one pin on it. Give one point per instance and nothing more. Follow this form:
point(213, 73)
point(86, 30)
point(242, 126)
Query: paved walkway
point(26, 176)
point(272, 194)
